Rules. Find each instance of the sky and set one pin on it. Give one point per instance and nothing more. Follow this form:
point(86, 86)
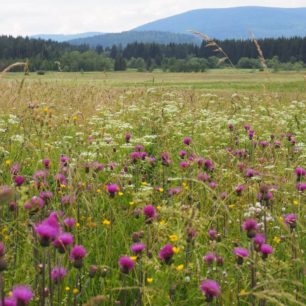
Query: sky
point(29, 17)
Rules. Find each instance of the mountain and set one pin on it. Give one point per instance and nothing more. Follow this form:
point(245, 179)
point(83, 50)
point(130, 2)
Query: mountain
point(237, 22)
point(65, 37)
point(124, 38)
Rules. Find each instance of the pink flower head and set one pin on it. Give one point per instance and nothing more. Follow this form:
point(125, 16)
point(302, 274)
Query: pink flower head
point(239, 189)
point(241, 253)
point(46, 195)
point(210, 288)
point(58, 274)
point(150, 213)
point(187, 141)
point(166, 253)
point(213, 185)
point(46, 232)
point(15, 169)
point(69, 223)
point(46, 163)
point(266, 250)
point(250, 225)
point(19, 180)
point(139, 148)
point(127, 137)
point(290, 219)
point(68, 200)
point(212, 233)
point(184, 164)
point(299, 171)
point(182, 154)
point(22, 294)
point(77, 254)
point(126, 264)
point(259, 240)
point(209, 165)
point(2, 249)
point(204, 177)
point(112, 189)
point(64, 160)
point(301, 186)
point(209, 258)
point(9, 301)
point(137, 248)
point(135, 156)
point(165, 158)
point(62, 241)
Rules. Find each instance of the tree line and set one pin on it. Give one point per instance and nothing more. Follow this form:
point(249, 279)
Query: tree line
point(281, 53)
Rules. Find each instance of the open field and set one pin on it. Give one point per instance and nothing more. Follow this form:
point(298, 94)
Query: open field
point(136, 188)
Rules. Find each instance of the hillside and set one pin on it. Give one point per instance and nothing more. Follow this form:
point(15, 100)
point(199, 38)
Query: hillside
point(64, 37)
point(124, 38)
point(236, 22)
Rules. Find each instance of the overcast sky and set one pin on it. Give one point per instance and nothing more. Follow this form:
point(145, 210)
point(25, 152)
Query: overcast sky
point(28, 17)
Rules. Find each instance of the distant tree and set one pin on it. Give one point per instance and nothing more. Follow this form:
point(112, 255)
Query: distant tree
point(120, 63)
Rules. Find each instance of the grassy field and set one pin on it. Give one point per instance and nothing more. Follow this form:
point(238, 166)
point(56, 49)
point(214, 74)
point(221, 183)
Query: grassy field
point(153, 188)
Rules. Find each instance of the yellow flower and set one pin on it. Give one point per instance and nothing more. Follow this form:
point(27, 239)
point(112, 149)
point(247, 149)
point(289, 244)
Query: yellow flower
point(243, 292)
point(281, 219)
point(131, 203)
point(106, 222)
point(161, 189)
point(162, 222)
point(8, 162)
point(78, 224)
point(277, 240)
point(176, 250)
point(67, 288)
point(120, 193)
point(180, 267)
point(10, 293)
point(295, 202)
point(98, 190)
point(75, 291)
point(75, 118)
point(46, 110)
point(134, 258)
point(144, 183)
point(173, 238)
point(231, 205)
point(150, 280)
point(63, 186)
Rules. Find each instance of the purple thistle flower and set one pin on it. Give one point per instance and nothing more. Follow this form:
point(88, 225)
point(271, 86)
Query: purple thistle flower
point(60, 179)
point(209, 165)
point(166, 253)
point(209, 258)
point(22, 295)
point(290, 219)
point(112, 189)
point(223, 195)
point(137, 248)
point(77, 254)
point(266, 250)
point(46, 195)
point(58, 274)
point(187, 141)
point(15, 169)
point(213, 185)
point(182, 154)
point(250, 172)
point(184, 164)
point(150, 213)
point(241, 253)
point(239, 189)
point(9, 301)
point(165, 158)
point(62, 241)
point(264, 144)
point(64, 160)
point(299, 171)
point(68, 200)
point(250, 225)
point(230, 126)
point(135, 156)
point(46, 232)
point(211, 289)
point(203, 177)
point(213, 234)
point(259, 240)
point(69, 223)
point(127, 137)
point(301, 186)
point(46, 163)
point(19, 180)
point(2, 249)
point(126, 264)
point(139, 148)
point(251, 134)
point(174, 191)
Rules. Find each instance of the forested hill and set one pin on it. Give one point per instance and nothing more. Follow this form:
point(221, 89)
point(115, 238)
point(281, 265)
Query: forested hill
point(124, 38)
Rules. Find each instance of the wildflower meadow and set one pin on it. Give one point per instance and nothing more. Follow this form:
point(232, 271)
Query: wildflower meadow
point(151, 194)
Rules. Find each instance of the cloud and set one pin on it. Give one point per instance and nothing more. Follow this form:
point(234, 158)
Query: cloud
point(28, 17)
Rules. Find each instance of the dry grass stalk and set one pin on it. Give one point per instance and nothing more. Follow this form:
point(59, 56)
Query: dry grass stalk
point(17, 64)
point(261, 57)
point(216, 48)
